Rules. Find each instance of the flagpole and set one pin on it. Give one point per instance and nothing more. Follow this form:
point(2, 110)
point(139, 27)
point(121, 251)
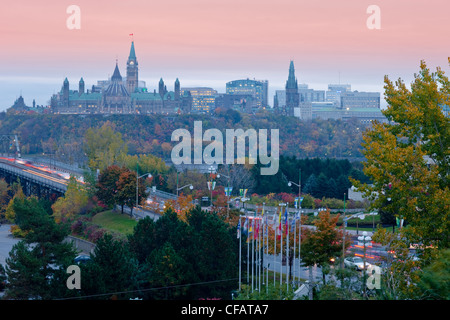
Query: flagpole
point(300, 222)
point(281, 254)
point(248, 252)
point(267, 254)
point(287, 249)
point(274, 250)
point(295, 240)
point(240, 253)
point(253, 247)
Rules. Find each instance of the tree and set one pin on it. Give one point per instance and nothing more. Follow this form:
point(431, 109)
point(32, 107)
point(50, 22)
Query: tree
point(111, 270)
point(400, 274)
point(10, 213)
point(107, 185)
point(36, 266)
point(408, 157)
point(73, 202)
point(322, 243)
point(435, 279)
point(126, 190)
point(104, 147)
point(4, 196)
point(118, 186)
point(200, 249)
point(167, 269)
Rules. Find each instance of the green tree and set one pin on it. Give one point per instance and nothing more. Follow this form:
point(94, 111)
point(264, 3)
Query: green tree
point(111, 270)
point(167, 271)
point(36, 266)
point(435, 279)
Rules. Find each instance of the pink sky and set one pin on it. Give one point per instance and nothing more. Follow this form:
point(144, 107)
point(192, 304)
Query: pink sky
point(210, 42)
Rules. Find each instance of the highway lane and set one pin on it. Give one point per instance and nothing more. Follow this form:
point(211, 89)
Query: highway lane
point(36, 171)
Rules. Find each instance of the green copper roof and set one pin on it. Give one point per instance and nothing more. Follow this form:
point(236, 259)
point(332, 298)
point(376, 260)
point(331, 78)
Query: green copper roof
point(145, 96)
point(92, 96)
point(132, 55)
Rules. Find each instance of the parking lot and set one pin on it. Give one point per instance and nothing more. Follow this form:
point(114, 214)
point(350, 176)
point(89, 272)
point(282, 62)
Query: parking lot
point(6, 242)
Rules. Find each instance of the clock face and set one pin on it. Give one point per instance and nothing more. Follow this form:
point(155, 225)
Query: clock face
point(131, 62)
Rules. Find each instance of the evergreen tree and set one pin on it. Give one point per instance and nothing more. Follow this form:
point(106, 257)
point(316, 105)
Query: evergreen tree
point(36, 266)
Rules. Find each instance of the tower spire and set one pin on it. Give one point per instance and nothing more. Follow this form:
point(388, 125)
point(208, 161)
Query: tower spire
point(132, 55)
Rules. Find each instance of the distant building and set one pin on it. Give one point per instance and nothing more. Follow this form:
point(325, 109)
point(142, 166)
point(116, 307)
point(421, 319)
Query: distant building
point(355, 99)
point(239, 102)
point(122, 96)
point(310, 95)
point(334, 91)
point(255, 88)
point(203, 99)
point(19, 106)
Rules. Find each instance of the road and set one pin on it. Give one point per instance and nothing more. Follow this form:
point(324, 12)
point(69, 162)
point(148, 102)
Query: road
point(6, 242)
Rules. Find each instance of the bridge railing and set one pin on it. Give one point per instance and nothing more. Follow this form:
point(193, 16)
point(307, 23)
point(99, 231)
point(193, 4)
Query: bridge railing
point(35, 178)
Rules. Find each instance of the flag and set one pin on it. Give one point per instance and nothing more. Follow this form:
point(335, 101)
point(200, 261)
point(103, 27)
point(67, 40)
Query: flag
point(246, 225)
point(279, 225)
point(239, 229)
point(286, 221)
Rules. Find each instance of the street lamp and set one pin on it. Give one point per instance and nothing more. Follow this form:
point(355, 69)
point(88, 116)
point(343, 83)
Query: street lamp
point(228, 193)
point(188, 185)
point(137, 186)
point(211, 184)
point(365, 239)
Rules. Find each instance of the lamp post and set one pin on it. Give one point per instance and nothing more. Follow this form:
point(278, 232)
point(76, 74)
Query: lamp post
point(365, 239)
point(211, 183)
point(227, 193)
point(290, 183)
point(188, 185)
point(137, 186)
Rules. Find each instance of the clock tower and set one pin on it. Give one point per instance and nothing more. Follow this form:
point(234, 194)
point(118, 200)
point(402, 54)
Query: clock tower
point(132, 70)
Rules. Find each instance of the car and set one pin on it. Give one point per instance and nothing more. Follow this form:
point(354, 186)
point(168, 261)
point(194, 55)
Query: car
point(82, 258)
point(356, 263)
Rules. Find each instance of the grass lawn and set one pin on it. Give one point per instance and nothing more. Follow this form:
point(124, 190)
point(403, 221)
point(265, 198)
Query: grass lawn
point(115, 221)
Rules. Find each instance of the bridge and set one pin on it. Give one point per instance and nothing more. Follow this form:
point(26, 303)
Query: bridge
point(35, 179)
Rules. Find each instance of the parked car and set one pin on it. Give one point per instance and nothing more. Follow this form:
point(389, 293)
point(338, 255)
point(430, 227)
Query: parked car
point(356, 263)
point(82, 258)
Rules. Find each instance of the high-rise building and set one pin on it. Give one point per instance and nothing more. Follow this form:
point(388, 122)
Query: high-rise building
point(203, 98)
point(255, 88)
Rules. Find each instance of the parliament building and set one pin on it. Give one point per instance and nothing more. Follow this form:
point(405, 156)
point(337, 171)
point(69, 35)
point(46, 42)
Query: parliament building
point(119, 96)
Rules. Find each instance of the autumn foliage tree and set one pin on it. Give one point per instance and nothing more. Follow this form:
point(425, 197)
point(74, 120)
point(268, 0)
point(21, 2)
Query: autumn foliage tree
point(323, 243)
point(408, 157)
point(117, 186)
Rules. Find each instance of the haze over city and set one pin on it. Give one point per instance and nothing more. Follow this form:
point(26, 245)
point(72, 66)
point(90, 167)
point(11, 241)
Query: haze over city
point(208, 43)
